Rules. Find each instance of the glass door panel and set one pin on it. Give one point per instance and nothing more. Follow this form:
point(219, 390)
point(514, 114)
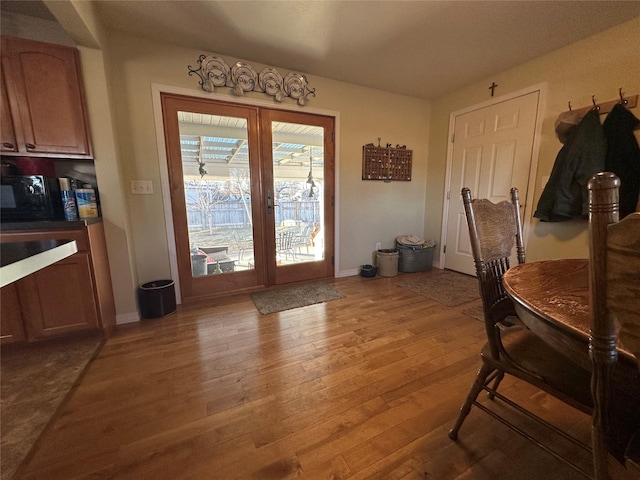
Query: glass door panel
point(214, 177)
point(217, 189)
point(298, 181)
point(300, 224)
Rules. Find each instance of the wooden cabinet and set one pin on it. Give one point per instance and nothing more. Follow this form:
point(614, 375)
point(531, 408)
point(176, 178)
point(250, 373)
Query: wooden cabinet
point(9, 142)
point(72, 295)
point(11, 321)
point(43, 108)
point(59, 299)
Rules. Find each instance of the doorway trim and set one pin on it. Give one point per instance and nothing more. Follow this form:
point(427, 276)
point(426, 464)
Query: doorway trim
point(156, 91)
point(533, 169)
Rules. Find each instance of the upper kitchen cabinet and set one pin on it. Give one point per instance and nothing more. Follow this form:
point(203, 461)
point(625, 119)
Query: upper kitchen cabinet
point(43, 108)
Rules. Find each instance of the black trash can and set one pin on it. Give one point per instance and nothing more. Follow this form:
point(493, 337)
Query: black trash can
point(157, 298)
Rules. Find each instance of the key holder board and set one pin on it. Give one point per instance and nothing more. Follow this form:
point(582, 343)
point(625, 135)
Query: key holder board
point(386, 163)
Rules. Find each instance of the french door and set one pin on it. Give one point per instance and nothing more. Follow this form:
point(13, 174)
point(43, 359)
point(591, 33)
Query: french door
point(251, 193)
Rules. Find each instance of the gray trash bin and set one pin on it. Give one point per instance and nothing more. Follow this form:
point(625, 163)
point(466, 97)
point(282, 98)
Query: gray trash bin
point(157, 298)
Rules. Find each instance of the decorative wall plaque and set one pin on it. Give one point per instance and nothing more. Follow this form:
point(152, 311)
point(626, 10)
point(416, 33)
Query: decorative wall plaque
point(242, 77)
point(386, 163)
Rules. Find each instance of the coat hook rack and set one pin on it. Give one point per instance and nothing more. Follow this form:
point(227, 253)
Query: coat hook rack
point(603, 108)
point(623, 100)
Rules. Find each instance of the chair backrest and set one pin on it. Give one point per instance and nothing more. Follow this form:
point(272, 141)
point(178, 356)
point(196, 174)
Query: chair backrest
point(494, 230)
point(614, 271)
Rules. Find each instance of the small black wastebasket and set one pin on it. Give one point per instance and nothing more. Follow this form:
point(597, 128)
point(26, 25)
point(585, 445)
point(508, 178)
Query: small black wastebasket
point(157, 298)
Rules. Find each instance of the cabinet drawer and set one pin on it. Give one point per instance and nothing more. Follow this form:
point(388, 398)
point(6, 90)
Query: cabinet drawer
point(79, 236)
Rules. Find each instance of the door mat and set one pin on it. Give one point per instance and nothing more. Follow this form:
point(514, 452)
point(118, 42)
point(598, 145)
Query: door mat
point(35, 381)
point(444, 286)
point(272, 301)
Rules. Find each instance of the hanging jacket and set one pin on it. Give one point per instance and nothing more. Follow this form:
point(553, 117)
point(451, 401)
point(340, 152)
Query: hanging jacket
point(623, 155)
point(565, 195)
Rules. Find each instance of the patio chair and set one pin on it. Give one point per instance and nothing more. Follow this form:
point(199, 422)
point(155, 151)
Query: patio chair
point(285, 244)
point(303, 239)
point(242, 244)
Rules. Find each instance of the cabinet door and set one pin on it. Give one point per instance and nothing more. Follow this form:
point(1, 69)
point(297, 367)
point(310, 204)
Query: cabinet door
point(11, 323)
point(8, 141)
point(59, 299)
point(45, 80)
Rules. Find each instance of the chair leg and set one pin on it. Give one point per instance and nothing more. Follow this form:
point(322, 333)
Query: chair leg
point(496, 383)
point(479, 382)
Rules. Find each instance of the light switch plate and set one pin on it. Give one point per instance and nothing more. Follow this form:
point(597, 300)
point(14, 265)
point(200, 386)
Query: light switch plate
point(141, 187)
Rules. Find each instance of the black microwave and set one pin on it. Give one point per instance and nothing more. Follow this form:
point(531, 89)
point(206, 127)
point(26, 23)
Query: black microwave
point(29, 198)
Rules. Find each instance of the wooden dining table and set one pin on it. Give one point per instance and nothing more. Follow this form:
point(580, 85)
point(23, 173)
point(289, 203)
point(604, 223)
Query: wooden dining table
point(551, 297)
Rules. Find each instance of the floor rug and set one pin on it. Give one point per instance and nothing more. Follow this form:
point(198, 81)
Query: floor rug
point(444, 286)
point(272, 301)
point(35, 380)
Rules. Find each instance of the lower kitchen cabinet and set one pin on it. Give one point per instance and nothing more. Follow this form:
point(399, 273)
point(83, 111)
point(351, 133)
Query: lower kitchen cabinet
point(59, 299)
point(72, 295)
point(11, 321)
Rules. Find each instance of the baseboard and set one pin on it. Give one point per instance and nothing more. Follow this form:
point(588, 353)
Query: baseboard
point(125, 318)
point(348, 273)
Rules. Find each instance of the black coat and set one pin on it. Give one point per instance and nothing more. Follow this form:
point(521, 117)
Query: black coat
point(565, 195)
point(623, 155)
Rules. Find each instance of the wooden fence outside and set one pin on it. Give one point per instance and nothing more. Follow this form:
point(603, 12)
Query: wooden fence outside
point(234, 215)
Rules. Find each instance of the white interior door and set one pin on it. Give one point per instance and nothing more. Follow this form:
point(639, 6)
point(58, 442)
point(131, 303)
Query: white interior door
point(492, 152)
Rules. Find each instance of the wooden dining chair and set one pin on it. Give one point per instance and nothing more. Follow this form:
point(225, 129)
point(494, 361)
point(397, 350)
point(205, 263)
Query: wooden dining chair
point(614, 278)
point(511, 348)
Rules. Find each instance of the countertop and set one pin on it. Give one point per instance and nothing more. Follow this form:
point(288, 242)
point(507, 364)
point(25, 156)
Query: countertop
point(6, 227)
point(19, 259)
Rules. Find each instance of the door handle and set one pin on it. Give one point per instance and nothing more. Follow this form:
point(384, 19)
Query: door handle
point(269, 203)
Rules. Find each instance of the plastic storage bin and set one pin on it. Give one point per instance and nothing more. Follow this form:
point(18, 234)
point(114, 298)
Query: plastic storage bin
point(157, 298)
point(387, 262)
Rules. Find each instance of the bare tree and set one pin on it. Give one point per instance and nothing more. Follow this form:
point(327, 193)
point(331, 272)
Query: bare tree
point(240, 186)
point(201, 195)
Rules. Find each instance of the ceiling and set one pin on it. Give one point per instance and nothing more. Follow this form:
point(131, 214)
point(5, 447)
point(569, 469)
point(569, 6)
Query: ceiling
point(423, 48)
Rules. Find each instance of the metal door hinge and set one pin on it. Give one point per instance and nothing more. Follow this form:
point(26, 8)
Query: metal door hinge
point(333, 136)
point(444, 250)
point(333, 260)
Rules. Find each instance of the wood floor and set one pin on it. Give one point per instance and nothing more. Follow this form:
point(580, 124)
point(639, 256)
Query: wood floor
point(362, 387)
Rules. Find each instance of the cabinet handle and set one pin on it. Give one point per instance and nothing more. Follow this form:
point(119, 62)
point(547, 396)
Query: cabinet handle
point(30, 145)
point(8, 145)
